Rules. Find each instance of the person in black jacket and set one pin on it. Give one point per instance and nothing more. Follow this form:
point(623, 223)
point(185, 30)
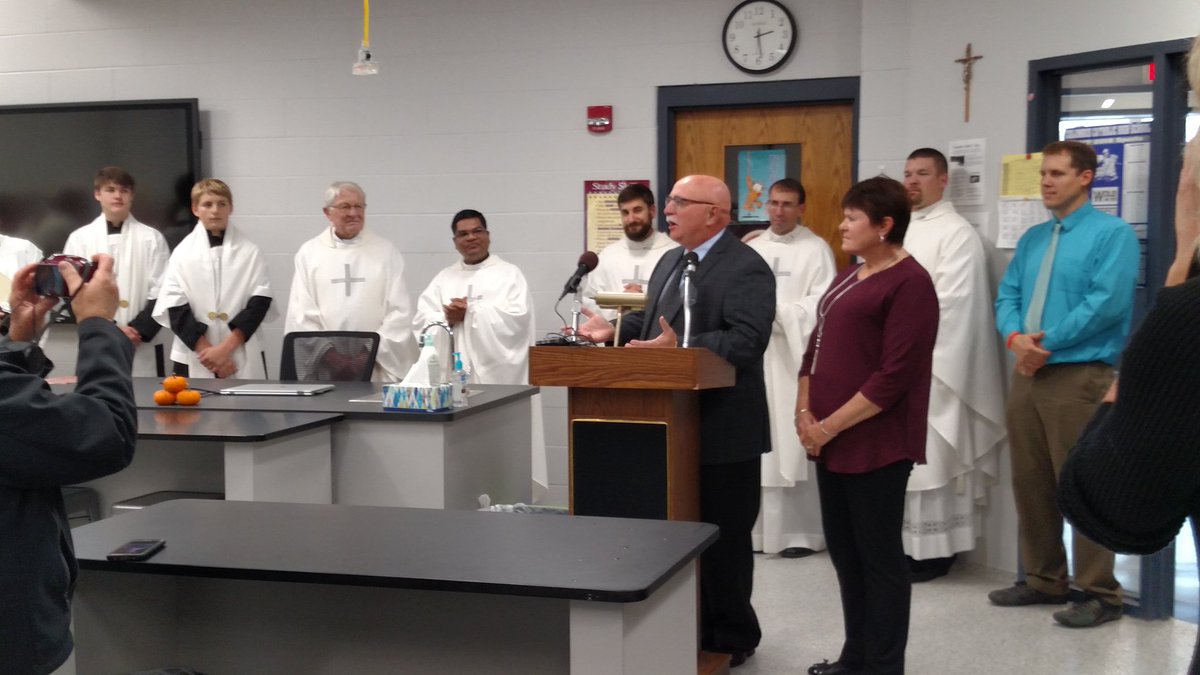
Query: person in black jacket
point(1134, 476)
point(732, 316)
point(51, 440)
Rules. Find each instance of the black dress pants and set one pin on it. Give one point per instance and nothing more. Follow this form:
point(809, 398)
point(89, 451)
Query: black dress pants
point(862, 514)
point(729, 498)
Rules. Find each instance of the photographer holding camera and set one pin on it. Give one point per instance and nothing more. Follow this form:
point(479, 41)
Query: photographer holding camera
point(53, 440)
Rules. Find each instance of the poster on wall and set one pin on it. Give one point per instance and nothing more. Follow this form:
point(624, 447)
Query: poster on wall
point(966, 161)
point(1020, 206)
point(1121, 184)
point(601, 214)
point(749, 172)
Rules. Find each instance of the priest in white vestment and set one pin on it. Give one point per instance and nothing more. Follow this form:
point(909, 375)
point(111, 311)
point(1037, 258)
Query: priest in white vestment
point(966, 402)
point(140, 256)
point(350, 279)
point(216, 293)
point(625, 265)
point(789, 520)
point(14, 254)
point(486, 302)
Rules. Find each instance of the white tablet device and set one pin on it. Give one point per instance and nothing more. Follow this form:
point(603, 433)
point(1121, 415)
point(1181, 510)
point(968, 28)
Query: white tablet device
point(279, 389)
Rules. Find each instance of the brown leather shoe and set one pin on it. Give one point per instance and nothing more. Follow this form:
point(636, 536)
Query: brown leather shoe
point(1021, 595)
point(1088, 613)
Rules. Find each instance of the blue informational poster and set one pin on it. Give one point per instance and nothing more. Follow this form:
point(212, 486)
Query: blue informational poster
point(1121, 183)
point(757, 170)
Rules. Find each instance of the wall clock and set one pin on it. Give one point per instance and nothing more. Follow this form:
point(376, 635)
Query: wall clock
point(759, 36)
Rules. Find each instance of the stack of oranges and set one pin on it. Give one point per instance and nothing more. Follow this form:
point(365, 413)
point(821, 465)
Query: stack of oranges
point(174, 390)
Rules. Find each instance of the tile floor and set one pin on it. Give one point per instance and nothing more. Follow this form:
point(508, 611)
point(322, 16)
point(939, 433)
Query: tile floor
point(954, 629)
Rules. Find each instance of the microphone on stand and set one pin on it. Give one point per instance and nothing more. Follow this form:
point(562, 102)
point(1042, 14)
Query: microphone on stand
point(690, 260)
point(587, 263)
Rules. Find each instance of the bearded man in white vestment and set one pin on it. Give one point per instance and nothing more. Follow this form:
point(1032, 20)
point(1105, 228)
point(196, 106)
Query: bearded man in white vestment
point(216, 293)
point(966, 403)
point(139, 255)
point(625, 265)
point(486, 302)
point(789, 521)
point(349, 279)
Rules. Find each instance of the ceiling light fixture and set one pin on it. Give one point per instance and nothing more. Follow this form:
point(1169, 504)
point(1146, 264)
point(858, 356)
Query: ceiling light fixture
point(364, 65)
point(1108, 103)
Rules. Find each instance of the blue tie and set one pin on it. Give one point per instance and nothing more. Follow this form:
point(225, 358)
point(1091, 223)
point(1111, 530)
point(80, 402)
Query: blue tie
point(1037, 303)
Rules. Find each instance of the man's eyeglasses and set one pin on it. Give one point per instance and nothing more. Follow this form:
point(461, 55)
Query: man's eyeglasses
point(349, 207)
point(463, 234)
point(683, 202)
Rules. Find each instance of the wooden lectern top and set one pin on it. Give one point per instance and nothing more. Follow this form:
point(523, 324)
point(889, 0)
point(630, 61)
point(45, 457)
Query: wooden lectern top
point(622, 368)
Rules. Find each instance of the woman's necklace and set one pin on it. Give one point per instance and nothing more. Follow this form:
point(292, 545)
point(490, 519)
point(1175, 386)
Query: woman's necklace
point(831, 299)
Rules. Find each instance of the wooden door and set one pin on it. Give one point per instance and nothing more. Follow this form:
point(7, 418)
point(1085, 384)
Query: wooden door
point(825, 133)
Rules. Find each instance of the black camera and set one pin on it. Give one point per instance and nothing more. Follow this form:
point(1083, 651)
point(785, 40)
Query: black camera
point(48, 280)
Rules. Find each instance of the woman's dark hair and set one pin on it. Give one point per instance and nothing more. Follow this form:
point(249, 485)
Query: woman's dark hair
point(882, 197)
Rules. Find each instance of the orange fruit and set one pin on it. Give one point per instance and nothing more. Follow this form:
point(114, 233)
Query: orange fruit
point(164, 397)
point(175, 384)
point(187, 397)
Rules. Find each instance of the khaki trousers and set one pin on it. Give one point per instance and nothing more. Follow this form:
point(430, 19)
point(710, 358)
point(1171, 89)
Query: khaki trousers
point(1045, 415)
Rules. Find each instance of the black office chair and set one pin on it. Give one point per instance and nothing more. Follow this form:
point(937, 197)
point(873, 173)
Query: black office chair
point(329, 356)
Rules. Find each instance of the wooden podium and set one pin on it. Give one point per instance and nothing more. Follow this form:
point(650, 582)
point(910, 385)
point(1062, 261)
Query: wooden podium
point(633, 425)
point(633, 432)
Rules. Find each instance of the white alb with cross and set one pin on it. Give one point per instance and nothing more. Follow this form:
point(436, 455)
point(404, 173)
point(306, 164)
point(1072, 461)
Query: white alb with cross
point(349, 280)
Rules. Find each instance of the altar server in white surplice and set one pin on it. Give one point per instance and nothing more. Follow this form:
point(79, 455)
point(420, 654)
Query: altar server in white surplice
point(14, 254)
point(966, 403)
point(216, 293)
point(486, 301)
point(789, 520)
point(140, 256)
point(625, 265)
point(349, 279)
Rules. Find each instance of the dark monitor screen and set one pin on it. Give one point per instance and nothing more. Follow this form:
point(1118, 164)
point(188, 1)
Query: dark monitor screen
point(49, 156)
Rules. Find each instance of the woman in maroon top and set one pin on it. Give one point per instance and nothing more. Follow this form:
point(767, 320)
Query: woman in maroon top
point(861, 414)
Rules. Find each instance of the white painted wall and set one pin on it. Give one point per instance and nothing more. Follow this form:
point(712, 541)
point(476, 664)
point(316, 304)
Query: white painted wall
point(481, 104)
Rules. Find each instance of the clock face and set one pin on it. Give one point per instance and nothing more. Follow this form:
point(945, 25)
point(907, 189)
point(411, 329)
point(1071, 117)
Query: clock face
point(759, 36)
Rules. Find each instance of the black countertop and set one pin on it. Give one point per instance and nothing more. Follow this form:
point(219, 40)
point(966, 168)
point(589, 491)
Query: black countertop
point(178, 423)
point(542, 555)
point(340, 400)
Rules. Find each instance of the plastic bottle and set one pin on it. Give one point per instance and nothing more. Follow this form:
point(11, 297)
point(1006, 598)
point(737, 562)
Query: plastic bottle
point(460, 382)
point(435, 368)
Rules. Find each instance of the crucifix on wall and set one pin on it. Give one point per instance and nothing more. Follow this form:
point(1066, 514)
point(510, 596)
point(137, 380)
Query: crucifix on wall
point(968, 64)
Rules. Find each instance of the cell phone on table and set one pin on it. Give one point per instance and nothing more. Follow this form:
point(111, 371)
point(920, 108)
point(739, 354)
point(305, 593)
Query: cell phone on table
point(137, 549)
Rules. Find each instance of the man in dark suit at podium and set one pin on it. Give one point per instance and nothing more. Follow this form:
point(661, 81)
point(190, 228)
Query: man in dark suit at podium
point(734, 306)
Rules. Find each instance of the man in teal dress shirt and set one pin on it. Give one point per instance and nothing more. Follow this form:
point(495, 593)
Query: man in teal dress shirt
point(1064, 309)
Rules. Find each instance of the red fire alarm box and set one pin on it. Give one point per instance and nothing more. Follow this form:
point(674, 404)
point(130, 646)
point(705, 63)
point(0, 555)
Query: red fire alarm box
point(599, 119)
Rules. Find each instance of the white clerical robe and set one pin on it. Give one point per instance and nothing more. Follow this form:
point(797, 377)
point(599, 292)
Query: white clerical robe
point(217, 282)
point(803, 264)
point(626, 262)
point(140, 257)
point(14, 254)
point(494, 336)
point(355, 285)
point(966, 401)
